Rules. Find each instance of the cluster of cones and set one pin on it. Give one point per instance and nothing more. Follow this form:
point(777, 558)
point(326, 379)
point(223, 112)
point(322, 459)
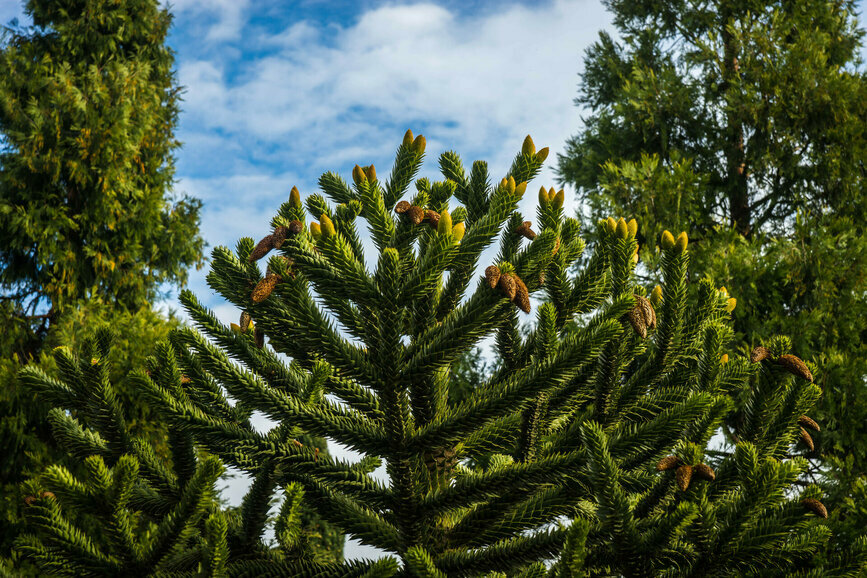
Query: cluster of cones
point(244, 325)
point(685, 472)
point(441, 222)
point(510, 285)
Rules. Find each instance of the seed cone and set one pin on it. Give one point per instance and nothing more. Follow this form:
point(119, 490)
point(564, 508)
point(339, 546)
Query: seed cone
point(441, 460)
point(815, 506)
point(795, 366)
point(636, 319)
point(492, 275)
point(262, 248)
point(259, 335)
point(416, 214)
point(647, 311)
point(508, 286)
point(683, 476)
point(808, 422)
point(808, 441)
point(432, 218)
point(264, 287)
point(525, 231)
point(295, 227)
point(402, 207)
point(668, 463)
point(759, 354)
point(522, 296)
point(704, 472)
point(245, 320)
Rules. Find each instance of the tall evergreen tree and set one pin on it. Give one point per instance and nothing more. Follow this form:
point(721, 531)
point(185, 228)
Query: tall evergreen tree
point(597, 424)
point(88, 227)
point(744, 123)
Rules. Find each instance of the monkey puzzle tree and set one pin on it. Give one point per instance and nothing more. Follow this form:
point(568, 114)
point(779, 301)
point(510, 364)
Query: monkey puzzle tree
point(596, 427)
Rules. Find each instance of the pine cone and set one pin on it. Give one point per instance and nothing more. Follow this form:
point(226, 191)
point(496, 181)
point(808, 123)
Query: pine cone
point(245, 321)
point(402, 207)
point(432, 218)
point(636, 319)
point(815, 506)
point(264, 288)
point(808, 441)
point(795, 366)
point(508, 286)
point(416, 214)
point(525, 231)
point(260, 338)
point(808, 422)
point(683, 477)
point(492, 276)
point(522, 295)
point(262, 248)
point(668, 463)
point(441, 460)
point(643, 303)
point(295, 227)
point(759, 354)
point(704, 472)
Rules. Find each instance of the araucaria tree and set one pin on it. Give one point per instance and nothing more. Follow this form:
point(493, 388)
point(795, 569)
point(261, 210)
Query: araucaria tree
point(597, 429)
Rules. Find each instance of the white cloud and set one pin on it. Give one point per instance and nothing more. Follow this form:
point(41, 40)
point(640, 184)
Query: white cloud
point(229, 16)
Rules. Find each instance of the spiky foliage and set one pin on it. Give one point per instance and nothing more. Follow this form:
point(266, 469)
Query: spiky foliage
point(570, 426)
point(127, 511)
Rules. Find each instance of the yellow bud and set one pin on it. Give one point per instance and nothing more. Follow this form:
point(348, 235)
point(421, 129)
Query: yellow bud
point(458, 231)
point(235, 327)
point(358, 175)
point(521, 189)
point(327, 226)
point(681, 242)
point(370, 172)
point(295, 198)
point(444, 227)
point(559, 198)
point(635, 258)
point(528, 148)
point(315, 230)
point(542, 155)
point(656, 296)
point(407, 138)
point(622, 228)
point(511, 185)
point(632, 227)
point(731, 304)
point(724, 359)
point(419, 144)
point(543, 197)
point(724, 291)
point(611, 225)
point(667, 241)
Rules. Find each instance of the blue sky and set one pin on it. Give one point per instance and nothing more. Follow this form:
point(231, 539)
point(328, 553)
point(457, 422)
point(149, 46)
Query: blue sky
point(279, 92)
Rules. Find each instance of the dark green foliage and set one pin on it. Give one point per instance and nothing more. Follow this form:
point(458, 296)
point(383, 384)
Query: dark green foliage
point(551, 457)
point(744, 124)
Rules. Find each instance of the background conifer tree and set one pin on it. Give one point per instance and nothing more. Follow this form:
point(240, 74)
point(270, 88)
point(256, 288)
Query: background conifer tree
point(596, 426)
point(744, 123)
point(89, 232)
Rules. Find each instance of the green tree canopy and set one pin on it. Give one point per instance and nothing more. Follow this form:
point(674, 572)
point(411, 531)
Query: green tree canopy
point(744, 122)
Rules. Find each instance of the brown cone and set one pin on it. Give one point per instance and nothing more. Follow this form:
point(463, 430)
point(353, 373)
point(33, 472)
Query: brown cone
point(808, 441)
point(492, 276)
point(795, 366)
point(262, 248)
point(759, 354)
point(636, 319)
point(522, 296)
point(432, 218)
point(295, 227)
point(808, 422)
point(643, 303)
point(668, 463)
point(416, 214)
point(260, 338)
point(525, 231)
point(683, 477)
point(245, 321)
point(815, 506)
point(704, 472)
point(441, 460)
point(507, 285)
point(402, 207)
point(264, 288)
